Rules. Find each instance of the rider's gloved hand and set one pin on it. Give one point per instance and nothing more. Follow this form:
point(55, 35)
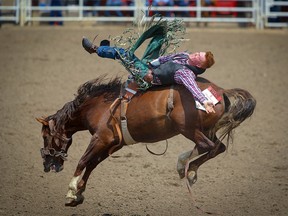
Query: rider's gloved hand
point(209, 106)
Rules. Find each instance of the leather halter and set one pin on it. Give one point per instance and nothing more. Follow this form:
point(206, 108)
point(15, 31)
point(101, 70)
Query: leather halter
point(50, 151)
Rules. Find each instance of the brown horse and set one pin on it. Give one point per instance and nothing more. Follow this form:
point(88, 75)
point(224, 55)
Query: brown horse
point(149, 120)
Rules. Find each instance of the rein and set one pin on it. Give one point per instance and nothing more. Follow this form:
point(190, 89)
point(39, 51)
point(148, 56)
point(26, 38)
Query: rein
point(170, 107)
point(158, 154)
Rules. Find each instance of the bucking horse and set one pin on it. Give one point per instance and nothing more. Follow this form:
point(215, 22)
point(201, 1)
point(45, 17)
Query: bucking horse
point(149, 116)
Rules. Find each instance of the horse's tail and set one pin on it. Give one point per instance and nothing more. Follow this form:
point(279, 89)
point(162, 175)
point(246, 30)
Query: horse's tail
point(239, 105)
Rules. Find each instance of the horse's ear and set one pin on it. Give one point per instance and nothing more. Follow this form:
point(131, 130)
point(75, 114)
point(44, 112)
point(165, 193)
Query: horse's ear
point(42, 121)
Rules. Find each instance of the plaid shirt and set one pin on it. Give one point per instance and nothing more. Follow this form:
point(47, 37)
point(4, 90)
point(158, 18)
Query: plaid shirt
point(184, 76)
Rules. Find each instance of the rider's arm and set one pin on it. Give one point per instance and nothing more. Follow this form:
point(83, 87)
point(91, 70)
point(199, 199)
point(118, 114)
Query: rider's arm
point(179, 57)
point(187, 78)
point(163, 59)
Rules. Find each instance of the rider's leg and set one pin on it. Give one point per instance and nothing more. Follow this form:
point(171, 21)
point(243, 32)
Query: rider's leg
point(104, 50)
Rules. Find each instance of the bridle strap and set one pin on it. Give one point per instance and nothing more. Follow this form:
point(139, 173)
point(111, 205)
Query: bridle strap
point(50, 151)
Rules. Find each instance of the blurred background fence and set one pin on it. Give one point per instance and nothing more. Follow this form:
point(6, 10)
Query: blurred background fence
point(253, 13)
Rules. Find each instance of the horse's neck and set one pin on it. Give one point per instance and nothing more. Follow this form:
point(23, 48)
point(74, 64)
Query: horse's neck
point(74, 125)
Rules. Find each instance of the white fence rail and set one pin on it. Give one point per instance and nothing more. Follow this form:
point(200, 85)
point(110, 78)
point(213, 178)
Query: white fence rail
point(274, 15)
point(258, 13)
point(10, 13)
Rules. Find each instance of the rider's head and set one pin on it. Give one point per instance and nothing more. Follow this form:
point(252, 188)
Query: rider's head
point(201, 59)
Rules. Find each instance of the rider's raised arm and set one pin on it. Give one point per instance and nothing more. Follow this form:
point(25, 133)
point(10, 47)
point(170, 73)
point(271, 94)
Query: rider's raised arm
point(187, 78)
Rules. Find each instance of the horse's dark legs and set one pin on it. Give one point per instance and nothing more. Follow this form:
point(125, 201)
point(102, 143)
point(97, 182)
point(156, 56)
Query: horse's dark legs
point(186, 156)
point(77, 197)
point(195, 164)
point(203, 145)
point(187, 164)
point(96, 152)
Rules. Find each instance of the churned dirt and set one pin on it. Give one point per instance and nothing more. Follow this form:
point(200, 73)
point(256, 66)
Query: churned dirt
point(41, 68)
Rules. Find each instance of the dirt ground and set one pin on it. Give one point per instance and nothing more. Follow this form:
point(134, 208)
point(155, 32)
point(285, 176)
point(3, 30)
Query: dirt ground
point(41, 69)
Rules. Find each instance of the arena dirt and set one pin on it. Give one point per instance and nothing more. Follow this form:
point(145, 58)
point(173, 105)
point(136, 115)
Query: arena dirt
point(41, 69)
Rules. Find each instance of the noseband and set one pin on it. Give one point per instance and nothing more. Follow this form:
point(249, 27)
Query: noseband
point(50, 151)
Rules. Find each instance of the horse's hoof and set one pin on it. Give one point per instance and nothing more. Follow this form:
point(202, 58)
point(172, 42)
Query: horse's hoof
point(192, 177)
point(74, 202)
point(181, 171)
point(181, 174)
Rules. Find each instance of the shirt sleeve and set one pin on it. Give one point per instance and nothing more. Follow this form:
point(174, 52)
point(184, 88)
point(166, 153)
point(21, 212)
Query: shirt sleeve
point(163, 59)
point(175, 57)
point(187, 78)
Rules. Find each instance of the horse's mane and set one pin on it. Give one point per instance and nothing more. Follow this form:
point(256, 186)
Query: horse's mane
point(93, 88)
point(97, 87)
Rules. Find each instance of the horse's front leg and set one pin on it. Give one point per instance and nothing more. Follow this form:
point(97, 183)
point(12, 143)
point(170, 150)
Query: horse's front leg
point(77, 185)
point(72, 198)
point(96, 152)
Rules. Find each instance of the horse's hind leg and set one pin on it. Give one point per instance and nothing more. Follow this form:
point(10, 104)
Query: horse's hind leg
point(97, 151)
point(203, 145)
point(186, 156)
point(192, 168)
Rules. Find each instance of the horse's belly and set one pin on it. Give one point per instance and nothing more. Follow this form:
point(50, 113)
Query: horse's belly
point(148, 121)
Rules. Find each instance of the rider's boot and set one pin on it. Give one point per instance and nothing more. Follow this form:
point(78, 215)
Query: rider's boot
point(89, 46)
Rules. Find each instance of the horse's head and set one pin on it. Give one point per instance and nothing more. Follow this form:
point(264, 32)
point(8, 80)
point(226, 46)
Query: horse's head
point(54, 152)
